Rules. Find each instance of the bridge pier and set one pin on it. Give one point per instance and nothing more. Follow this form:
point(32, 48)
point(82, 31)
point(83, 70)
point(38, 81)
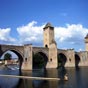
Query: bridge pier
point(27, 61)
point(70, 58)
point(26, 66)
point(52, 59)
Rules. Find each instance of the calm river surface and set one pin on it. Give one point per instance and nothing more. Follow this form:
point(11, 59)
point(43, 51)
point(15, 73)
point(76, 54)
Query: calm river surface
point(77, 78)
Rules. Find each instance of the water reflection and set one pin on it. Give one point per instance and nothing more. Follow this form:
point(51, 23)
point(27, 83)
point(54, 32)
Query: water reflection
point(50, 73)
point(62, 72)
point(39, 73)
point(81, 78)
point(77, 78)
point(6, 82)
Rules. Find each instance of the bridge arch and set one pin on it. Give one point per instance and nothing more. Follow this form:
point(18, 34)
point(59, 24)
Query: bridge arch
point(40, 60)
point(61, 59)
point(18, 53)
point(43, 51)
point(77, 60)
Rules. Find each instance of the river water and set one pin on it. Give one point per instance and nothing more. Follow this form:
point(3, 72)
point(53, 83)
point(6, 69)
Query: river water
point(77, 78)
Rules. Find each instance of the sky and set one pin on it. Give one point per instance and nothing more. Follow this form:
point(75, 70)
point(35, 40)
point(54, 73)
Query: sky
point(22, 22)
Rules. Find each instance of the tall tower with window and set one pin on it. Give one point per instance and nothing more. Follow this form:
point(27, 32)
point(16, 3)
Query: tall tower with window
point(86, 42)
point(49, 42)
point(48, 35)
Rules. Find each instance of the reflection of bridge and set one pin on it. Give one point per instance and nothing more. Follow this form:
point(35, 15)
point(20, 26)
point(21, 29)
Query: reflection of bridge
point(50, 52)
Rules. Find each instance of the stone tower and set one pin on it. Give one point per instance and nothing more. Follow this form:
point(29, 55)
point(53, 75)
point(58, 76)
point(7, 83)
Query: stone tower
point(49, 42)
point(48, 32)
point(86, 42)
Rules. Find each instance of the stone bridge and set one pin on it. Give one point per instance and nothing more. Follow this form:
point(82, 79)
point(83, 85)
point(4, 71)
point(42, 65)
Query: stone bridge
point(74, 58)
point(53, 56)
point(25, 54)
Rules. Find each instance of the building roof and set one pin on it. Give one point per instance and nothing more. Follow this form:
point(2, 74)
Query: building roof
point(86, 36)
point(48, 25)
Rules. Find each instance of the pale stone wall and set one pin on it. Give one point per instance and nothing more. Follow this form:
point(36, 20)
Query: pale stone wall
point(70, 58)
point(83, 58)
point(51, 35)
point(69, 54)
point(27, 63)
point(86, 47)
point(48, 36)
point(86, 43)
point(52, 63)
point(50, 42)
point(41, 49)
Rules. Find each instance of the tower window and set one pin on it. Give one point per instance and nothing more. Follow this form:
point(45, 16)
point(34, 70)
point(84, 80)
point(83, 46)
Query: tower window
point(51, 59)
point(25, 59)
point(46, 46)
point(69, 59)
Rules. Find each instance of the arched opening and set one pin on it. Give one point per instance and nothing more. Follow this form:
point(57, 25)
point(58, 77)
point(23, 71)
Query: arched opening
point(46, 46)
point(77, 60)
point(16, 58)
point(61, 60)
point(39, 60)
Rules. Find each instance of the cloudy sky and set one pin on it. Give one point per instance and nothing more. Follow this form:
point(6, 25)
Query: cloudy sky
point(22, 22)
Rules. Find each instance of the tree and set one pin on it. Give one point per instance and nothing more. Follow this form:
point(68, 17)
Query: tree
point(7, 56)
point(38, 60)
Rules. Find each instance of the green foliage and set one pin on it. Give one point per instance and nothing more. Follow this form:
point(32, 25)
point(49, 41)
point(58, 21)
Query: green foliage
point(38, 60)
point(7, 56)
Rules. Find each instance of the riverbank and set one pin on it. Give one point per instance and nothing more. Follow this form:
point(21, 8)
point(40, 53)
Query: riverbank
point(2, 66)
